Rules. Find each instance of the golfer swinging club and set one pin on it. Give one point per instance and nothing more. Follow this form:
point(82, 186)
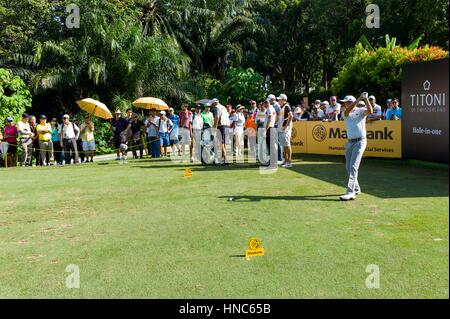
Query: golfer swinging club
point(356, 111)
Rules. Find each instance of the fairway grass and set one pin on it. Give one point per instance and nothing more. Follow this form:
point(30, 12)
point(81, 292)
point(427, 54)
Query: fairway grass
point(142, 230)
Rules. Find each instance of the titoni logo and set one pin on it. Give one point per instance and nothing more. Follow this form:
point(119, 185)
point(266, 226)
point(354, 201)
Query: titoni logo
point(428, 98)
point(319, 133)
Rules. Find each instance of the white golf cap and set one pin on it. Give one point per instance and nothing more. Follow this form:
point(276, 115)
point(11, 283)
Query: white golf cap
point(372, 97)
point(162, 112)
point(215, 100)
point(170, 109)
point(348, 98)
point(282, 97)
point(271, 97)
point(325, 103)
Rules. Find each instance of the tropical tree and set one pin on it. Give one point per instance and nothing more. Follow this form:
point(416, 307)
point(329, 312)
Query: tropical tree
point(15, 98)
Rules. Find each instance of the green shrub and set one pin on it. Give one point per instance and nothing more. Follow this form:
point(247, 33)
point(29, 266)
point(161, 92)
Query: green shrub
point(15, 98)
point(379, 72)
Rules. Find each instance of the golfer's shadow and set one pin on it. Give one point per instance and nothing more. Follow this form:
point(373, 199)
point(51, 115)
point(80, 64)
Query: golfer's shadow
point(249, 198)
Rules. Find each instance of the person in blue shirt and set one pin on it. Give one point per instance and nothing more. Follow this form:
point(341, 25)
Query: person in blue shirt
point(174, 134)
point(395, 112)
point(57, 149)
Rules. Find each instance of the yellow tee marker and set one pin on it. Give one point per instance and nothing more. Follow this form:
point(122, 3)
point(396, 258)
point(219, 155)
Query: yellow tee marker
point(255, 250)
point(187, 172)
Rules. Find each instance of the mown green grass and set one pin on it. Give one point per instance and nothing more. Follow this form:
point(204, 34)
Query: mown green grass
point(142, 230)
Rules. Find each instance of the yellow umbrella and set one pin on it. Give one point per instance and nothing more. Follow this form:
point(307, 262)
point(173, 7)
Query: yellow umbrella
point(95, 108)
point(151, 103)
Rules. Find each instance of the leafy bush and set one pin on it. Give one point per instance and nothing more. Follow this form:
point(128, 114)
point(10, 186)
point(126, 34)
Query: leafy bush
point(379, 72)
point(238, 86)
point(15, 98)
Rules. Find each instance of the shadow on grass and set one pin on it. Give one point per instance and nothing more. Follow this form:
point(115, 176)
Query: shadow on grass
point(254, 198)
point(383, 178)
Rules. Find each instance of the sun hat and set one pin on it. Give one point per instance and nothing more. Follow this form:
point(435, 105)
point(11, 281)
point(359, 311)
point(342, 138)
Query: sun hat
point(162, 113)
point(282, 97)
point(66, 116)
point(325, 103)
point(348, 98)
point(240, 107)
point(372, 97)
point(118, 111)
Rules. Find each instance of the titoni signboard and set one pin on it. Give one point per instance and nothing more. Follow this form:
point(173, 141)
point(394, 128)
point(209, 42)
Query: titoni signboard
point(425, 118)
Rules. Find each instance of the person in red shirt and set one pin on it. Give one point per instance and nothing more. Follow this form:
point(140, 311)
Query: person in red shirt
point(10, 136)
point(185, 128)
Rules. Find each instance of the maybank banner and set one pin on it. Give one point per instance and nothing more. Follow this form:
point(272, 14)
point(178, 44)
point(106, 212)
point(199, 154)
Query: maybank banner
point(384, 138)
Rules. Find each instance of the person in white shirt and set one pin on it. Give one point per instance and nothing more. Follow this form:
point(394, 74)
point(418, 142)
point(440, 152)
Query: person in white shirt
point(221, 123)
point(271, 134)
point(317, 114)
point(26, 139)
point(68, 138)
point(355, 122)
point(377, 112)
point(197, 127)
point(239, 123)
point(333, 110)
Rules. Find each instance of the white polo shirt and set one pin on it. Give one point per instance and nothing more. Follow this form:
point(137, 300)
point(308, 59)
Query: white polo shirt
point(356, 123)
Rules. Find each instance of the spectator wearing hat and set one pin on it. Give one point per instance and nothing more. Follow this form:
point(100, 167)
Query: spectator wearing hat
point(395, 112)
point(10, 136)
point(118, 125)
point(276, 105)
point(285, 125)
point(174, 134)
point(87, 138)
point(377, 112)
point(68, 139)
point(165, 126)
point(253, 107)
point(44, 131)
point(26, 140)
point(57, 149)
point(270, 134)
point(355, 122)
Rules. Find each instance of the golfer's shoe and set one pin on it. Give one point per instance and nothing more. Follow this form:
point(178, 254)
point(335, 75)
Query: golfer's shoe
point(287, 165)
point(358, 192)
point(348, 197)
